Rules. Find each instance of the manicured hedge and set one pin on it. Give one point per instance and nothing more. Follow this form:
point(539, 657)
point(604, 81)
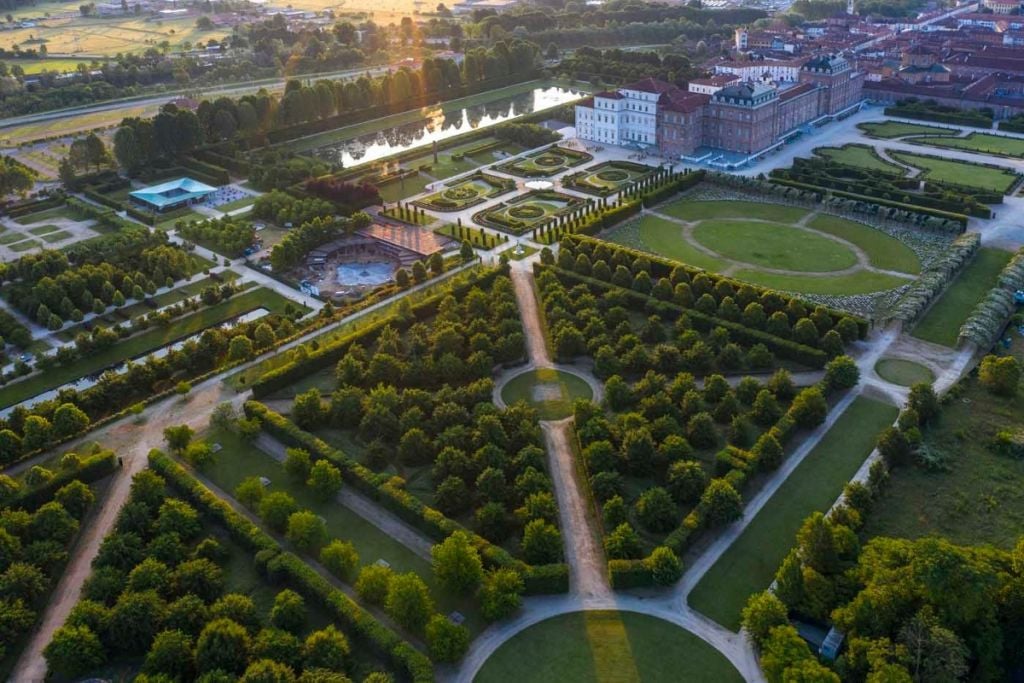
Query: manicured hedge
point(24, 208)
point(91, 469)
point(286, 567)
point(625, 574)
point(209, 170)
point(329, 354)
point(785, 348)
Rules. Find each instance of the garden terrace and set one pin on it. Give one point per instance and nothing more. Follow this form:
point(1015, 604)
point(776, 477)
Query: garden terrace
point(984, 143)
point(43, 509)
point(529, 211)
point(860, 156)
point(544, 163)
point(888, 130)
point(607, 177)
point(466, 192)
point(980, 178)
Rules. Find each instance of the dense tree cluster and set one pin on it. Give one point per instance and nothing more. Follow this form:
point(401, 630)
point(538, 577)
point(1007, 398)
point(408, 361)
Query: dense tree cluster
point(271, 169)
point(158, 591)
point(15, 177)
point(299, 241)
point(52, 288)
point(282, 208)
point(618, 66)
point(350, 195)
point(229, 235)
point(34, 543)
point(138, 143)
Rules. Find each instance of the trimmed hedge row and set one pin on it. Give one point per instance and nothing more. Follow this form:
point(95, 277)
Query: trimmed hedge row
point(329, 354)
point(282, 566)
point(206, 168)
point(806, 355)
point(32, 206)
point(663, 267)
point(91, 469)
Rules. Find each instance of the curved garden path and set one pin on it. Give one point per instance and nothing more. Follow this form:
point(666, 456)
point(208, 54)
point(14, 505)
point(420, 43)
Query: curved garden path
point(863, 260)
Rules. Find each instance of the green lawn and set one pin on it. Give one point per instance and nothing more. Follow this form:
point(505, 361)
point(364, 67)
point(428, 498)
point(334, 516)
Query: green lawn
point(774, 245)
point(961, 173)
point(906, 373)
point(860, 156)
point(192, 289)
point(606, 646)
point(941, 324)
point(405, 187)
point(884, 251)
point(979, 497)
point(238, 459)
point(52, 237)
point(143, 343)
point(23, 246)
point(237, 204)
point(687, 210)
point(413, 218)
point(44, 230)
point(897, 129)
point(47, 214)
point(551, 392)
point(12, 236)
point(749, 565)
point(986, 143)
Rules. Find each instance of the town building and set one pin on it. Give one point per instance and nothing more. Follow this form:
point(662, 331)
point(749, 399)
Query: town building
point(724, 113)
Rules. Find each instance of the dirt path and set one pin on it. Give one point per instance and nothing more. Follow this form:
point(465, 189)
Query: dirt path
point(132, 442)
point(583, 552)
point(373, 513)
point(536, 346)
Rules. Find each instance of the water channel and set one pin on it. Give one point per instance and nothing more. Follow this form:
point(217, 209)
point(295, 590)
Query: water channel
point(439, 125)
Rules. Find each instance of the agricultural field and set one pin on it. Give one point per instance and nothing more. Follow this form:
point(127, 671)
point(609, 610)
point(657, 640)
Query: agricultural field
point(941, 324)
point(750, 563)
point(109, 36)
point(786, 248)
point(606, 646)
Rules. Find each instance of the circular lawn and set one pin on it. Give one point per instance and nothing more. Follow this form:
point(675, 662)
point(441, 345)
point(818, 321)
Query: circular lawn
point(606, 646)
point(905, 373)
point(550, 392)
point(774, 245)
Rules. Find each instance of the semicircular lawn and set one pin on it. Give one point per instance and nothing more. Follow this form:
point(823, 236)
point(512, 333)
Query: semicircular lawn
point(550, 392)
point(903, 372)
point(592, 646)
point(774, 245)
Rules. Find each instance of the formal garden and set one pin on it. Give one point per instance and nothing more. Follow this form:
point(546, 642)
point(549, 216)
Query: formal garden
point(466, 192)
point(528, 211)
point(606, 178)
point(606, 646)
point(544, 163)
point(681, 445)
point(790, 248)
point(888, 130)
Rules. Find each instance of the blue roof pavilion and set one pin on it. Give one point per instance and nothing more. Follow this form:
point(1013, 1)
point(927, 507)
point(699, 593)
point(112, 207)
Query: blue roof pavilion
point(172, 194)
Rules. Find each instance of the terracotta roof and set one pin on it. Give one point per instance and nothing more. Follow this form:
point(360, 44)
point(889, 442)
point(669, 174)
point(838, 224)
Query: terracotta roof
point(790, 93)
point(717, 79)
point(586, 102)
point(683, 102)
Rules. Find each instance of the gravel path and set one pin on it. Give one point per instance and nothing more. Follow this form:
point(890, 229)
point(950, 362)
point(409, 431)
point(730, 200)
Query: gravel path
point(373, 513)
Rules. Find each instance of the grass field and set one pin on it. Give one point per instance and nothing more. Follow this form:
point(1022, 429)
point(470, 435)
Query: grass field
point(550, 392)
point(606, 647)
point(961, 173)
point(142, 343)
point(774, 245)
point(23, 246)
point(979, 498)
point(47, 215)
point(941, 324)
point(860, 156)
point(686, 210)
point(406, 187)
point(12, 236)
point(897, 129)
point(109, 35)
point(749, 565)
point(52, 237)
point(71, 125)
point(986, 143)
point(906, 373)
point(884, 251)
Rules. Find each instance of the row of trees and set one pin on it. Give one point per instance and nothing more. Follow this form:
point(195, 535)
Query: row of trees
point(229, 235)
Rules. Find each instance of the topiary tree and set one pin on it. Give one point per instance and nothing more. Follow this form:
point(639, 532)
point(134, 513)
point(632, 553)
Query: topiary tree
point(446, 641)
point(372, 584)
point(289, 611)
point(922, 399)
point(623, 543)
point(1000, 375)
point(842, 373)
point(73, 651)
point(701, 432)
point(340, 558)
point(327, 649)
point(170, 655)
point(763, 612)
point(276, 508)
point(306, 530)
point(664, 565)
point(809, 408)
point(721, 503)
point(656, 510)
point(500, 593)
point(541, 543)
point(324, 479)
point(457, 563)
point(408, 601)
point(223, 644)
